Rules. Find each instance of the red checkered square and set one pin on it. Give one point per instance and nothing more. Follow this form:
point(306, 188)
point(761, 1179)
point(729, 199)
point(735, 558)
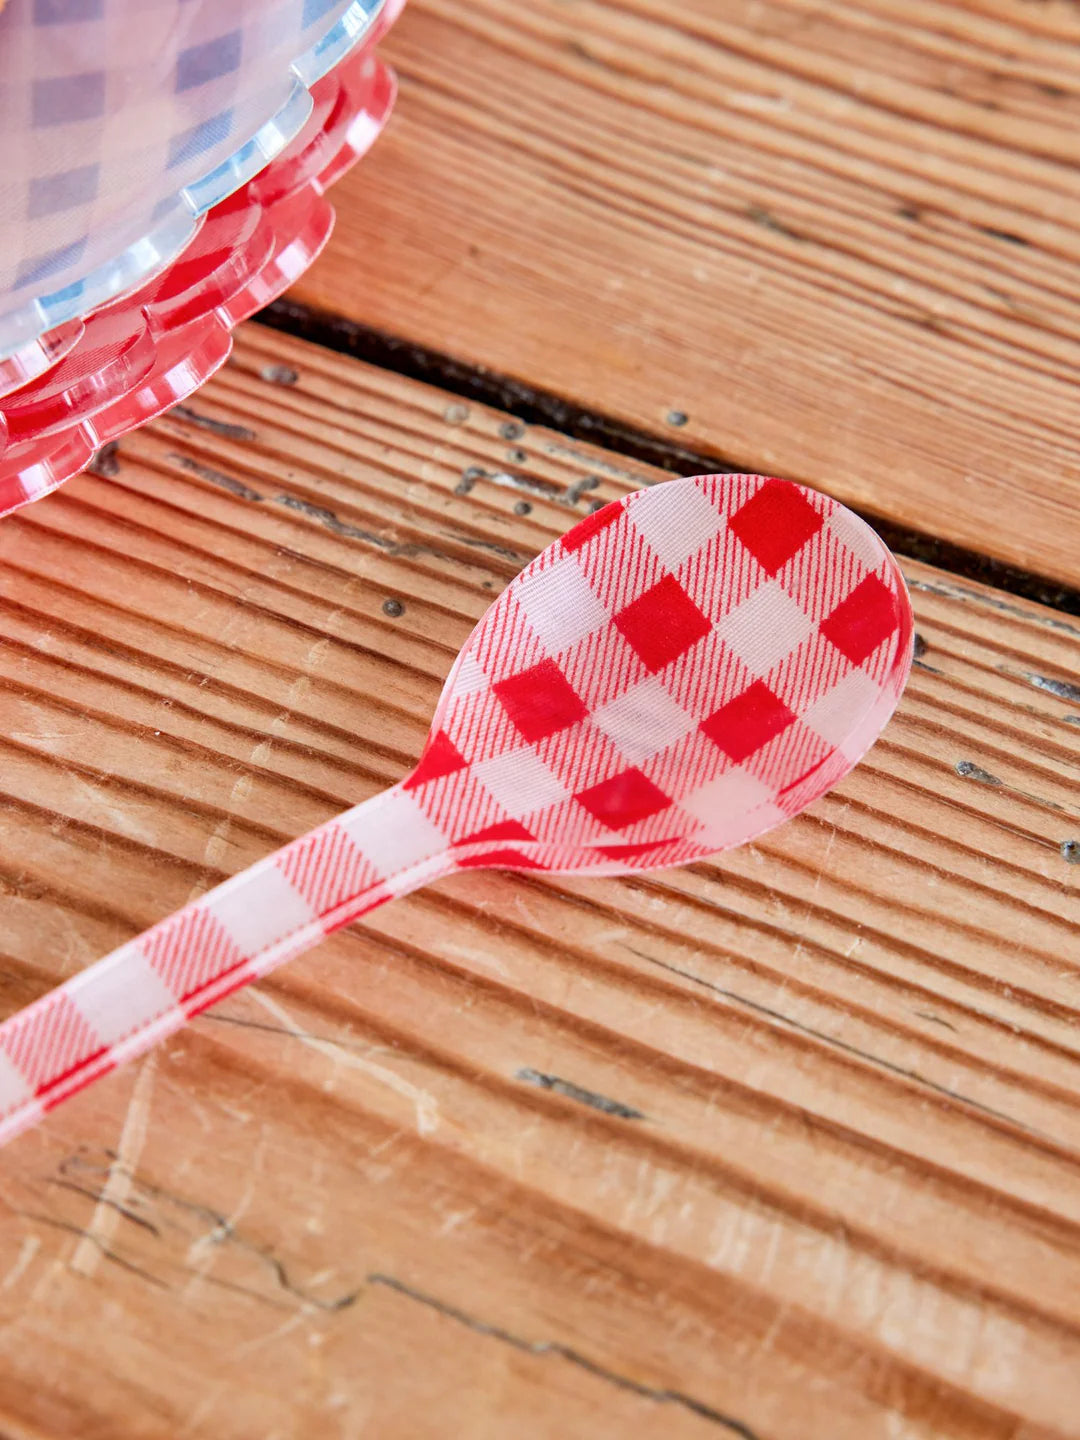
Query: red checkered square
point(748, 722)
point(624, 799)
point(860, 623)
point(540, 701)
point(775, 524)
point(663, 623)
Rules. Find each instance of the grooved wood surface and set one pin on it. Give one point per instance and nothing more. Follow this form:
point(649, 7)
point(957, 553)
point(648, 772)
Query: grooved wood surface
point(785, 1147)
point(841, 240)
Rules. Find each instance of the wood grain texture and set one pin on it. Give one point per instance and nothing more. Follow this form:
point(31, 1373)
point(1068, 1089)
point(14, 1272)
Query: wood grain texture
point(839, 241)
point(785, 1147)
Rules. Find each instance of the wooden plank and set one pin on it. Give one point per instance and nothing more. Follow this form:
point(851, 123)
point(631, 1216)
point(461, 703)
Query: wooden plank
point(841, 241)
point(785, 1146)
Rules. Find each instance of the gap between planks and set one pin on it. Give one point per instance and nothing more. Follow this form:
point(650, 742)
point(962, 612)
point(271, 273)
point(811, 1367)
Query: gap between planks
point(533, 406)
point(839, 245)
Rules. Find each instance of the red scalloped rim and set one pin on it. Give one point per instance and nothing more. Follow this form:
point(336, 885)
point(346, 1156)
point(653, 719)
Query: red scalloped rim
point(96, 379)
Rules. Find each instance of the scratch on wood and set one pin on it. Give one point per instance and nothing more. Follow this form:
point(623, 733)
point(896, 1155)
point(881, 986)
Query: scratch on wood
point(660, 1394)
point(425, 1105)
point(222, 1232)
point(1009, 236)
point(94, 1241)
point(574, 492)
point(579, 1093)
point(341, 527)
point(831, 1040)
point(554, 445)
point(936, 1019)
point(469, 477)
point(27, 1250)
point(100, 1198)
point(476, 542)
point(114, 1193)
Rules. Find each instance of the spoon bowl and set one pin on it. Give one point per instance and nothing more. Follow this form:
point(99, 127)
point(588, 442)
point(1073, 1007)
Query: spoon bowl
point(685, 669)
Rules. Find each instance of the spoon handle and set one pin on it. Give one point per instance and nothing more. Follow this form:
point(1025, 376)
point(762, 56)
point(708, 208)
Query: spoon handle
point(126, 1002)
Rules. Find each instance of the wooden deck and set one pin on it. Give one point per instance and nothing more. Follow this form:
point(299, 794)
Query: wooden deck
point(785, 1147)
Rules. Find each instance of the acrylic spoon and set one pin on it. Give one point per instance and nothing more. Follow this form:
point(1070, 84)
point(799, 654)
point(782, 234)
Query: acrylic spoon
point(683, 670)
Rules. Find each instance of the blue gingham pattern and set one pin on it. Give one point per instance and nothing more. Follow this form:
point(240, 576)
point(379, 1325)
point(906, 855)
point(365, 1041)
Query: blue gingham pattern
point(124, 120)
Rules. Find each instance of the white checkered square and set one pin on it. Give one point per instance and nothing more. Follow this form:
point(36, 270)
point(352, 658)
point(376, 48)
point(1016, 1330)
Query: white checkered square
point(123, 995)
point(766, 627)
point(856, 537)
point(644, 720)
point(258, 908)
point(675, 532)
point(561, 606)
point(393, 831)
point(838, 709)
point(726, 805)
point(520, 782)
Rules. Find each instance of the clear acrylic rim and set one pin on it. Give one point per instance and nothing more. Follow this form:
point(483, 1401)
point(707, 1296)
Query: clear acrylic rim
point(157, 249)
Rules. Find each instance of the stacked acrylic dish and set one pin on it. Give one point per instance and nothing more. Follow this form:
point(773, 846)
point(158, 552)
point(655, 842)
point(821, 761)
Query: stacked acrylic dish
point(165, 177)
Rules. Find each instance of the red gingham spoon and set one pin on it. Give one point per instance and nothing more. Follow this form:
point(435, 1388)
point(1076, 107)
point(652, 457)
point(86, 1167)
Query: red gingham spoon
point(681, 671)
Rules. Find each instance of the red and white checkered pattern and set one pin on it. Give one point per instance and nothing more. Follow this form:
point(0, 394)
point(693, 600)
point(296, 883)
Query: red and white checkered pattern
point(683, 670)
